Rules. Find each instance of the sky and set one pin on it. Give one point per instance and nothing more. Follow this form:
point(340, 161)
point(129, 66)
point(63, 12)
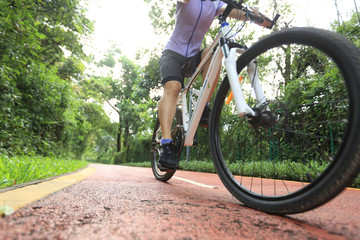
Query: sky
point(127, 22)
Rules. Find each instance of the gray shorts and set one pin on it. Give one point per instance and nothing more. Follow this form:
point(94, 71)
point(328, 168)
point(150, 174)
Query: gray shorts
point(171, 66)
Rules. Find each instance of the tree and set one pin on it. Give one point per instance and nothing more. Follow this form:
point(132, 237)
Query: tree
point(350, 29)
point(162, 15)
point(35, 76)
point(126, 87)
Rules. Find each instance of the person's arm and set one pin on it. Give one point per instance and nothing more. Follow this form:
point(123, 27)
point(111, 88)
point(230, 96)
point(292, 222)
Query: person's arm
point(235, 13)
point(241, 15)
point(183, 1)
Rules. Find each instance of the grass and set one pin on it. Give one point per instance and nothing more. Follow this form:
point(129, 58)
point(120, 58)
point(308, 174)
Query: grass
point(21, 169)
point(299, 172)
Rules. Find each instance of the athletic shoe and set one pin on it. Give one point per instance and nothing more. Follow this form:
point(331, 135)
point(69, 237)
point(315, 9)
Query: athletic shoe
point(168, 157)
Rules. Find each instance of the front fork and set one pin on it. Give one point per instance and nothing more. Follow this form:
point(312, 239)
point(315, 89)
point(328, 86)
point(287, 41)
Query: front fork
point(243, 109)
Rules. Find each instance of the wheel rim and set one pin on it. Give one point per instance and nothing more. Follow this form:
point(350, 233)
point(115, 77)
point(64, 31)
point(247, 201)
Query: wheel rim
point(256, 158)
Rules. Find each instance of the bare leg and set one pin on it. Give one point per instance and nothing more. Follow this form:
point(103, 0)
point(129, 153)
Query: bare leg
point(167, 107)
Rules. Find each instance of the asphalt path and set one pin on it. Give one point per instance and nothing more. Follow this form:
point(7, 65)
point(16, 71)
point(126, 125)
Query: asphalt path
point(118, 202)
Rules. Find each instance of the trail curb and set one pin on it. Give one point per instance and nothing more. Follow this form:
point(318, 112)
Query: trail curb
point(21, 197)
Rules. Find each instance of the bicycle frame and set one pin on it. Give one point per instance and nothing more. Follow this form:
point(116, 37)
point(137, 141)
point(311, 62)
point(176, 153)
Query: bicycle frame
point(216, 54)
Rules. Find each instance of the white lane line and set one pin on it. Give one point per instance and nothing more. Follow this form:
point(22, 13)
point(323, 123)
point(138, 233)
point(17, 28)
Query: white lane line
point(195, 183)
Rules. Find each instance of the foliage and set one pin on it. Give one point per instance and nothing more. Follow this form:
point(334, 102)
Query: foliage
point(126, 87)
point(139, 150)
point(21, 169)
point(350, 29)
point(162, 15)
point(36, 77)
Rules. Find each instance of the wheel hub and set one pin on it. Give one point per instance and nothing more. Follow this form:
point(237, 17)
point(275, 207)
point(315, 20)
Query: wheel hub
point(262, 119)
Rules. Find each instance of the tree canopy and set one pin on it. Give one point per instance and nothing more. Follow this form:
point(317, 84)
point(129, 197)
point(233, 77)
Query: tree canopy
point(37, 78)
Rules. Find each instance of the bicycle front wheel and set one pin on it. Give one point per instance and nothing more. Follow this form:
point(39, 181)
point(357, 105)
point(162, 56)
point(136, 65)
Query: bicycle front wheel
point(310, 152)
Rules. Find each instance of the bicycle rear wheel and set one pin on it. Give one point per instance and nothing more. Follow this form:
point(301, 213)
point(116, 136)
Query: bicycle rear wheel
point(155, 148)
point(311, 79)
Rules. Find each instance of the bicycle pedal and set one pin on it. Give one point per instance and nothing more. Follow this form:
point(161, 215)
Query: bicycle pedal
point(166, 169)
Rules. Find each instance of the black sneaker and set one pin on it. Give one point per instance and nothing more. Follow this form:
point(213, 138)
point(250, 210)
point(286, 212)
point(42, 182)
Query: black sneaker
point(205, 118)
point(168, 157)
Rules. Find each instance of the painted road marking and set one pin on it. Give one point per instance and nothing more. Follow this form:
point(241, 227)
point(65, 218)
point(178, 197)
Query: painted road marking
point(195, 183)
point(21, 197)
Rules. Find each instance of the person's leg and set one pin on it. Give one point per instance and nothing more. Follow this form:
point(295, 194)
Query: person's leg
point(167, 107)
point(172, 80)
point(166, 111)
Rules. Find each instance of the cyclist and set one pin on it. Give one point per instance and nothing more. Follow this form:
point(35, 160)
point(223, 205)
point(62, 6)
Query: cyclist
point(193, 20)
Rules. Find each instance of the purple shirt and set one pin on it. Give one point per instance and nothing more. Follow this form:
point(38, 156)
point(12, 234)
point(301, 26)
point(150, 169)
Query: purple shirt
point(193, 20)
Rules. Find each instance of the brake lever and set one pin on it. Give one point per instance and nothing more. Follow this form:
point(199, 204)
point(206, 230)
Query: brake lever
point(273, 22)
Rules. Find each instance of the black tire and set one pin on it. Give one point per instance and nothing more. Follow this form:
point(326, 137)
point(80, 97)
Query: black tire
point(322, 150)
point(155, 149)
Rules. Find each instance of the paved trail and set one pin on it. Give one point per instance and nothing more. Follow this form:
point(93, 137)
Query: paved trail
point(119, 202)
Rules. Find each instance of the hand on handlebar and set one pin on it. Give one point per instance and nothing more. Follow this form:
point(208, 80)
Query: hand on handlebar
point(266, 20)
point(251, 14)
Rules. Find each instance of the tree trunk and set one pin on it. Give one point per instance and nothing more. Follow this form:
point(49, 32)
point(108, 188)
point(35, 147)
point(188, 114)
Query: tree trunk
point(119, 137)
point(126, 140)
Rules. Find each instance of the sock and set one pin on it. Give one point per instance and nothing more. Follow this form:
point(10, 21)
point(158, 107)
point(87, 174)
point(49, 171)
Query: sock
point(164, 140)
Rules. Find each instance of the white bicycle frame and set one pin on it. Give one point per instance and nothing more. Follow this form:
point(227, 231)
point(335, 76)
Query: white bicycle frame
point(216, 54)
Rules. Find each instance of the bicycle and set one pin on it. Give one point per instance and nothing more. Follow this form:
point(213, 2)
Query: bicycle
point(277, 130)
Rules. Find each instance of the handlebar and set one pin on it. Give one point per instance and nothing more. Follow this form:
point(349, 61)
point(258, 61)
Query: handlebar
point(257, 18)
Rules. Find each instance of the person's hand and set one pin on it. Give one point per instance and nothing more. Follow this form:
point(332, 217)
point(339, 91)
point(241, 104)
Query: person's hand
point(266, 23)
